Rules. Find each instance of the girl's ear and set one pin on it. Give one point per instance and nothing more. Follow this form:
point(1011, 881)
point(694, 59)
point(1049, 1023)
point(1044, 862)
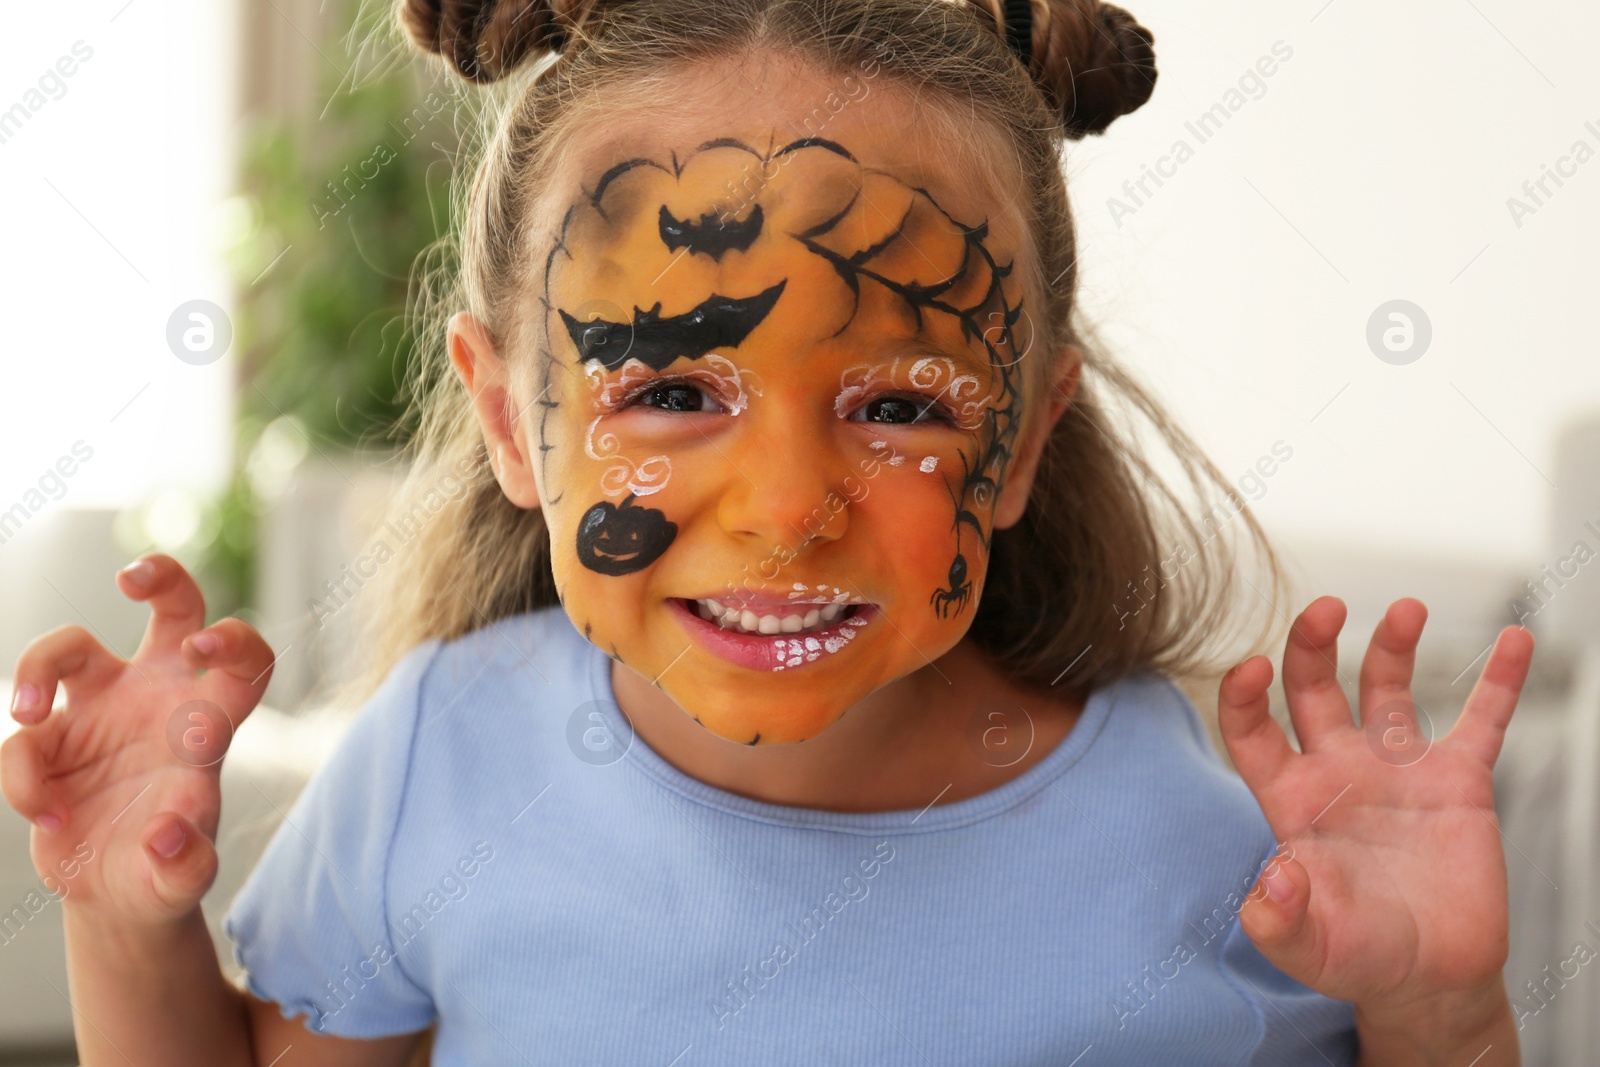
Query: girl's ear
point(487, 381)
point(1064, 385)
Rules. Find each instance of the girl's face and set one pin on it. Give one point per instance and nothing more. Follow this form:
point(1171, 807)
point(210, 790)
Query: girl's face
point(778, 385)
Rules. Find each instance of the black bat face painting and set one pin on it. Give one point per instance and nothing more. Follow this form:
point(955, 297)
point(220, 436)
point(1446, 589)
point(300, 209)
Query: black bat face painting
point(778, 388)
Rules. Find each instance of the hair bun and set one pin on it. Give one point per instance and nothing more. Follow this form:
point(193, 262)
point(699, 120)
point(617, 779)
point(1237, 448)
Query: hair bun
point(483, 41)
point(1094, 63)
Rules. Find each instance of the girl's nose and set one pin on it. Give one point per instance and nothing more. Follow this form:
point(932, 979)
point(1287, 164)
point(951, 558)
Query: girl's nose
point(786, 488)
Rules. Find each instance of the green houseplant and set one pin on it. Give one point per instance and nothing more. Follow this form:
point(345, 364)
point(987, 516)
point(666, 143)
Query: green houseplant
point(333, 216)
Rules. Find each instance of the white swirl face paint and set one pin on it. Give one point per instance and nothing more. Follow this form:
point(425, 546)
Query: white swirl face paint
point(726, 380)
point(722, 371)
point(625, 476)
point(935, 375)
point(928, 464)
point(854, 384)
point(650, 476)
point(931, 372)
point(610, 394)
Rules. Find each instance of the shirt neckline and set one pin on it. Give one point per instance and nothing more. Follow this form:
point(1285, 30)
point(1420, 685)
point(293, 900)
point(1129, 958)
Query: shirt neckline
point(985, 805)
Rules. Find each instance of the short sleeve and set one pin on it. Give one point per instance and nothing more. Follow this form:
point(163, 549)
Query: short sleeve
point(310, 924)
point(1301, 1026)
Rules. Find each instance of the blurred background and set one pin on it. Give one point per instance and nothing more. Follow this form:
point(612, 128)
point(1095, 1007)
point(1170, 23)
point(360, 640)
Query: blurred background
point(1351, 245)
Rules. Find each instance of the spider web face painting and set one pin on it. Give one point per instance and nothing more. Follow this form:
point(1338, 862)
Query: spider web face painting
point(782, 369)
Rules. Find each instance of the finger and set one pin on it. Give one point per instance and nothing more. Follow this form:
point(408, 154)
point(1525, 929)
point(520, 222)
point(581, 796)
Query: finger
point(24, 781)
point(176, 606)
point(238, 664)
point(1255, 741)
point(68, 654)
point(1317, 705)
point(1483, 722)
point(1391, 658)
point(1276, 916)
point(183, 861)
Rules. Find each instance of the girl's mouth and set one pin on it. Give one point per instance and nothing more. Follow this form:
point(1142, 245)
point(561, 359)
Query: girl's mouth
point(787, 618)
point(817, 636)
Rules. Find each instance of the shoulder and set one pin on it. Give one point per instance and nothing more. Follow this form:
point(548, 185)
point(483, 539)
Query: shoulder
point(1186, 802)
point(539, 645)
point(446, 702)
point(1149, 715)
point(501, 696)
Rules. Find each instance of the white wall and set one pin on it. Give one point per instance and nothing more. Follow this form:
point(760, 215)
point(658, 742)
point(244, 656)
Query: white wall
point(1376, 165)
point(111, 180)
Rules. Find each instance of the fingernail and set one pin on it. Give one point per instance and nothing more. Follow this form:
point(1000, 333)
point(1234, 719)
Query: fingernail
point(49, 823)
point(26, 699)
point(139, 573)
point(1279, 888)
point(204, 643)
point(168, 840)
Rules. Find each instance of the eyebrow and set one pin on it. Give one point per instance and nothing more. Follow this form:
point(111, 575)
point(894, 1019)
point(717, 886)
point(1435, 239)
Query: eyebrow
point(656, 340)
point(911, 349)
point(897, 350)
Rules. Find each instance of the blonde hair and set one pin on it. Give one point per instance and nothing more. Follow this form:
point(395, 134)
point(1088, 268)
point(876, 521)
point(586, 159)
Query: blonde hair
point(1098, 515)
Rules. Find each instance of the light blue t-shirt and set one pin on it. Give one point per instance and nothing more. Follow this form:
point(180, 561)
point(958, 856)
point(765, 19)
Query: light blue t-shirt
point(488, 847)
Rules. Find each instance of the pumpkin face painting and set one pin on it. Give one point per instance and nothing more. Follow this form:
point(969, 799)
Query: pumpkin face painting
point(777, 390)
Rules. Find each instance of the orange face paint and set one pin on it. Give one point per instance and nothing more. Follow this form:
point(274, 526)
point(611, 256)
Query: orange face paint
point(795, 398)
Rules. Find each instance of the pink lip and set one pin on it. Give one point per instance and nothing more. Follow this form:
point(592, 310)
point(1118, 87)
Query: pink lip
point(775, 652)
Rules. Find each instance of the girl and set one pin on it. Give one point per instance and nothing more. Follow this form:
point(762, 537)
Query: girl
point(772, 694)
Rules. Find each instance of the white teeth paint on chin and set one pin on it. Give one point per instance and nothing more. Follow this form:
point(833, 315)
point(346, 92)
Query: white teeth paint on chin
point(817, 618)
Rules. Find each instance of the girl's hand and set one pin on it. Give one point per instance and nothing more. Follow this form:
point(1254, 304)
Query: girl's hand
point(1390, 852)
point(135, 757)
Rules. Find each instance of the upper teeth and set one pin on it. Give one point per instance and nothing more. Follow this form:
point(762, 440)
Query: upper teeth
point(817, 617)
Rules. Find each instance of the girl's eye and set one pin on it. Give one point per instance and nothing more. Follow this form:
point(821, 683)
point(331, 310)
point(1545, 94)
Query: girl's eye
point(686, 397)
point(677, 395)
point(903, 410)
